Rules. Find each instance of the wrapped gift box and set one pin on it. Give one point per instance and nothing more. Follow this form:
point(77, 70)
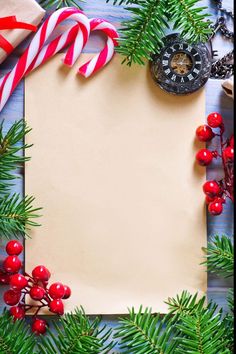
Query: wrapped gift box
point(25, 11)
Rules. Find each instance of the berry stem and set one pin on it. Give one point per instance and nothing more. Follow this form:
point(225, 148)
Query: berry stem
point(228, 171)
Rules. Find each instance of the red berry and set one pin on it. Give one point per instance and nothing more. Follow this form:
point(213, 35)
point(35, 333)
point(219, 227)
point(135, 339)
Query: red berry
point(212, 189)
point(228, 154)
point(18, 281)
point(12, 297)
point(215, 208)
point(219, 200)
point(231, 141)
point(204, 133)
point(67, 292)
point(17, 312)
point(12, 264)
point(4, 278)
point(215, 120)
point(41, 273)
point(14, 248)
point(209, 199)
point(56, 306)
point(57, 291)
point(37, 293)
point(204, 157)
point(39, 326)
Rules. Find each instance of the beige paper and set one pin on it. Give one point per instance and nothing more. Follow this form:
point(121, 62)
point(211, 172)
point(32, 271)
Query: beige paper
point(113, 167)
point(28, 11)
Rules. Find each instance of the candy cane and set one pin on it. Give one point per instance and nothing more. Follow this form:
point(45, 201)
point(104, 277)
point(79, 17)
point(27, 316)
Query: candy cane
point(38, 52)
point(101, 59)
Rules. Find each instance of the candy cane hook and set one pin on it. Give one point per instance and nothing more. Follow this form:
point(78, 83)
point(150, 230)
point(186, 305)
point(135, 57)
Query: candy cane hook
point(101, 59)
point(38, 53)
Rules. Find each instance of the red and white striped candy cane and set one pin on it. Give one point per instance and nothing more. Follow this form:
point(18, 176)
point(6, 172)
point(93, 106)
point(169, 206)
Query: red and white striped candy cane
point(101, 59)
point(38, 52)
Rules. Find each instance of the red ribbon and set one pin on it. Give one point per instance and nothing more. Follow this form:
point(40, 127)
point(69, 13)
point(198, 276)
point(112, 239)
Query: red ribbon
point(11, 22)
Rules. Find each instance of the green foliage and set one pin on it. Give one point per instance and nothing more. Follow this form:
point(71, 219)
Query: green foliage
point(230, 300)
point(16, 215)
point(202, 332)
point(15, 337)
point(77, 334)
point(201, 327)
point(191, 326)
point(190, 19)
point(220, 256)
point(229, 321)
point(11, 156)
point(59, 3)
point(141, 36)
point(145, 333)
point(186, 303)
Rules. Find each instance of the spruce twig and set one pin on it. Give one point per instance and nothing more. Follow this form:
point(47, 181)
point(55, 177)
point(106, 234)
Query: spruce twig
point(17, 216)
point(59, 3)
point(220, 256)
point(144, 332)
point(15, 337)
point(202, 332)
point(190, 19)
point(75, 333)
point(142, 35)
point(11, 158)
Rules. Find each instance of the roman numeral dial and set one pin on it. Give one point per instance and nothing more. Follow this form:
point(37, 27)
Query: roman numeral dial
point(181, 67)
point(181, 63)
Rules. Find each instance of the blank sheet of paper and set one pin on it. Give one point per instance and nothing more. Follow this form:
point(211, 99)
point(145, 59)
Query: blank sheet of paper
point(113, 168)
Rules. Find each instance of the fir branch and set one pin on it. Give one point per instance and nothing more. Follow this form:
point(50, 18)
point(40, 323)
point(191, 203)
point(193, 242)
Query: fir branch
point(144, 332)
point(230, 300)
point(229, 322)
point(201, 332)
point(202, 328)
point(17, 216)
point(191, 20)
point(47, 4)
point(220, 256)
point(142, 35)
point(11, 145)
point(76, 334)
point(186, 303)
point(15, 337)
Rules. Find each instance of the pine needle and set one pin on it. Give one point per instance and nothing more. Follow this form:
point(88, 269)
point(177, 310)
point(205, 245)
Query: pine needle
point(17, 216)
point(11, 155)
point(146, 333)
point(220, 256)
point(190, 19)
point(142, 35)
point(47, 4)
point(15, 337)
point(75, 333)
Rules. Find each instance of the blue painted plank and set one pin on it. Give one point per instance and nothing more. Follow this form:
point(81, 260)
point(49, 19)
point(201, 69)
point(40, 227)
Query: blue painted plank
point(216, 100)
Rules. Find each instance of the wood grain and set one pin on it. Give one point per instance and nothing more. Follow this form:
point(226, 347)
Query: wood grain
point(216, 101)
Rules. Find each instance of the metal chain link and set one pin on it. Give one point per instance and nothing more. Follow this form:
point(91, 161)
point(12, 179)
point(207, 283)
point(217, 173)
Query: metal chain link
point(223, 67)
point(219, 4)
point(220, 69)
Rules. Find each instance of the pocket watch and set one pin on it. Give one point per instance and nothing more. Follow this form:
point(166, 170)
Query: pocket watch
point(181, 68)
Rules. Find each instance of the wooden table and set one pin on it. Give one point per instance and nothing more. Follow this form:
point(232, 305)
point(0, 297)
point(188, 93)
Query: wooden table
point(216, 100)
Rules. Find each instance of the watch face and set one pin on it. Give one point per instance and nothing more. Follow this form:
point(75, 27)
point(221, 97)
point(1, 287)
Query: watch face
point(181, 68)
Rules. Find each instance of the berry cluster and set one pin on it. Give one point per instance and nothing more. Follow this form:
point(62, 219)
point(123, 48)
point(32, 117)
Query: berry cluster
point(217, 191)
point(35, 286)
